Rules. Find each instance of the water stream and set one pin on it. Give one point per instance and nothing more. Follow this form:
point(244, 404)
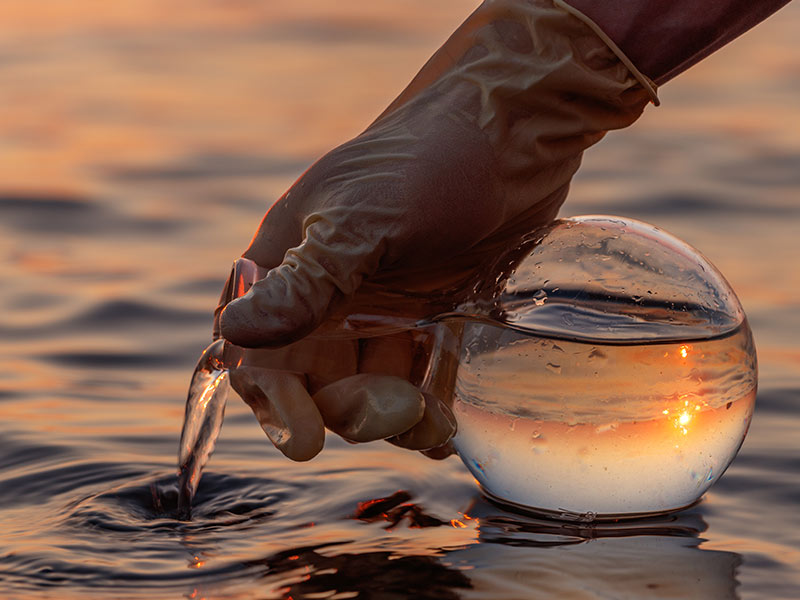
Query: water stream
point(202, 422)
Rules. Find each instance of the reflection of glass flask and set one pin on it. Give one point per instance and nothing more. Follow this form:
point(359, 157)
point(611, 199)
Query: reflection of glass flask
point(519, 556)
point(599, 369)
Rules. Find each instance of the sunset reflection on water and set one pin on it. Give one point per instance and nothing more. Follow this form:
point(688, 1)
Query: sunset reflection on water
point(141, 142)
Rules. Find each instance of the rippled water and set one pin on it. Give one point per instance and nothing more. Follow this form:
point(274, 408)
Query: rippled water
point(139, 146)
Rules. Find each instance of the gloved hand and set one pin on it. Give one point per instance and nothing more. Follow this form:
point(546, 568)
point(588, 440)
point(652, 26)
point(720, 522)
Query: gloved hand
point(360, 387)
point(479, 149)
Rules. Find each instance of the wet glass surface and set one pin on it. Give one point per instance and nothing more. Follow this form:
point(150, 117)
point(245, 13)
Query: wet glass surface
point(139, 147)
point(613, 376)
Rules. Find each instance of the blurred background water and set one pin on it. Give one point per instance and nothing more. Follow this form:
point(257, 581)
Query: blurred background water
point(141, 142)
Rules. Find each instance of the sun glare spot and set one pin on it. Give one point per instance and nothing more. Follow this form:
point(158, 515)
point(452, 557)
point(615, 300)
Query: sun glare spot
point(682, 422)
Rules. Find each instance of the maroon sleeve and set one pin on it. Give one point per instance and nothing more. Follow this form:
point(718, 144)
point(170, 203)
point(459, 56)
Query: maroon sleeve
point(665, 37)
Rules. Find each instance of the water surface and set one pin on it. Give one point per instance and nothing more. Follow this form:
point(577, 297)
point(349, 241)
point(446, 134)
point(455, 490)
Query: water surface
point(140, 145)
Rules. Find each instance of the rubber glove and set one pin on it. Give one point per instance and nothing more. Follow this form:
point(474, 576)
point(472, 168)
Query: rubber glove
point(478, 149)
point(363, 388)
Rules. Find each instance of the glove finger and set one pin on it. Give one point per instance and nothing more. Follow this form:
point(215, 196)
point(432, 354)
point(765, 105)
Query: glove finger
point(441, 452)
point(283, 408)
point(436, 428)
point(368, 407)
point(395, 355)
point(294, 297)
point(321, 361)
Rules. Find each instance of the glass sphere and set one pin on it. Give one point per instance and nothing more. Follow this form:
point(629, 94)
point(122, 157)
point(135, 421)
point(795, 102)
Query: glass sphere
point(608, 371)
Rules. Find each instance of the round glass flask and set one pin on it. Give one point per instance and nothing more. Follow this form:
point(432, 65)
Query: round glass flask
point(607, 372)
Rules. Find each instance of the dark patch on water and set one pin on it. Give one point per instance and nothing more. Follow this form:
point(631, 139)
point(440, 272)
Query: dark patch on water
point(747, 476)
point(383, 575)
point(114, 360)
point(29, 302)
point(137, 320)
point(127, 383)
point(233, 501)
point(14, 55)
point(779, 400)
point(222, 502)
point(128, 313)
point(394, 509)
point(686, 204)
point(9, 394)
point(45, 483)
point(52, 205)
point(327, 32)
point(766, 170)
point(18, 453)
point(71, 215)
point(210, 166)
point(375, 508)
point(196, 286)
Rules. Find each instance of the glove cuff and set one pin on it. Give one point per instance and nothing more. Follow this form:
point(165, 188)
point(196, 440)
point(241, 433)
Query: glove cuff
point(643, 79)
point(666, 37)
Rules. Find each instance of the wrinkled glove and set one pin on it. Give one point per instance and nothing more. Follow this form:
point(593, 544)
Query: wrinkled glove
point(479, 149)
point(360, 388)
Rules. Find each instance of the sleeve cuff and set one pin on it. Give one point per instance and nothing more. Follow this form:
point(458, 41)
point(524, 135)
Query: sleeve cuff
point(643, 79)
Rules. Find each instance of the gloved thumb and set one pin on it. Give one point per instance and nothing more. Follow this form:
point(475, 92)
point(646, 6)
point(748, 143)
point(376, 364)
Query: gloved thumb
point(294, 297)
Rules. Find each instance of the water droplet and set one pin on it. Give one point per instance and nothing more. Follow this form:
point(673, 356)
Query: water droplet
point(597, 356)
point(538, 442)
point(606, 427)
